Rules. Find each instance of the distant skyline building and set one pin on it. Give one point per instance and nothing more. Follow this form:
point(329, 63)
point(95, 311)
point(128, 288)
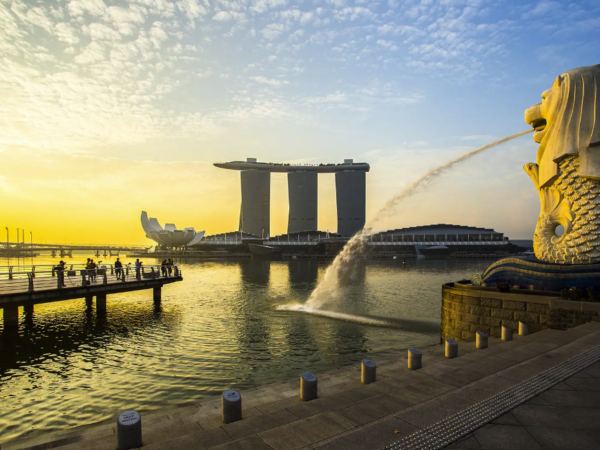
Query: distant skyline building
point(350, 187)
point(303, 195)
point(255, 211)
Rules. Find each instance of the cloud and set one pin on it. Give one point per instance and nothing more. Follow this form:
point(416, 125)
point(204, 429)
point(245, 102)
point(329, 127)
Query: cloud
point(193, 9)
point(269, 81)
point(81, 7)
point(273, 30)
point(387, 44)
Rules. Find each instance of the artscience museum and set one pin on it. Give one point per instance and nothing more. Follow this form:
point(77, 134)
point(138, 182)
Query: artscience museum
point(170, 236)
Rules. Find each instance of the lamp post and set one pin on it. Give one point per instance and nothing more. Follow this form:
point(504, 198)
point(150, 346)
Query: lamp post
point(31, 239)
point(17, 241)
point(7, 245)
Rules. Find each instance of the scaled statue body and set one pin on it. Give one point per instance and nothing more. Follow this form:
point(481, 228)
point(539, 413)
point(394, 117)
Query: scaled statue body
point(567, 173)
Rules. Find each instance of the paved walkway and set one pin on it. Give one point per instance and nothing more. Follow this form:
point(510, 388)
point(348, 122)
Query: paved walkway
point(565, 417)
point(349, 415)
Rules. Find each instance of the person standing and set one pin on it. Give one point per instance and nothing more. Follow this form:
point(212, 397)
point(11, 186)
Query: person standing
point(60, 273)
point(93, 270)
point(138, 269)
point(119, 269)
point(163, 268)
point(170, 266)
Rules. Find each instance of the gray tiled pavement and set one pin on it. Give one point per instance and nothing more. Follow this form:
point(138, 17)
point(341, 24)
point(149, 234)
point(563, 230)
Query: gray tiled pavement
point(348, 415)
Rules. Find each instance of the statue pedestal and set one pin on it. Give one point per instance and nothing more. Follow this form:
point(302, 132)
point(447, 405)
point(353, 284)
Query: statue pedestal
point(530, 273)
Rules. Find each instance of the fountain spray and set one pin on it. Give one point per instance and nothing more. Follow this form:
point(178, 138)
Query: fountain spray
point(327, 290)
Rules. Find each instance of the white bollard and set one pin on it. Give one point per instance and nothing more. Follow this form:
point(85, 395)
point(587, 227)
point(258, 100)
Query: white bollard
point(481, 340)
point(368, 371)
point(451, 348)
point(232, 406)
point(129, 430)
point(415, 359)
point(507, 333)
point(523, 329)
point(308, 386)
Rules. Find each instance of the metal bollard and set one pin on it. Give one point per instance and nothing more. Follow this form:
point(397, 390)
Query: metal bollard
point(415, 359)
point(308, 386)
point(451, 348)
point(507, 333)
point(129, 430)
point(368, 371)
point(232, 406)
point(523, 329)
point(481, 340)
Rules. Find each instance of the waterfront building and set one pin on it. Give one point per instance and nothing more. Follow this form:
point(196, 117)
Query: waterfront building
point(350, 181)
point(169, 236)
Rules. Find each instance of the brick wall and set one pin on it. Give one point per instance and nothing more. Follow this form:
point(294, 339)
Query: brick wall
point(467, 309)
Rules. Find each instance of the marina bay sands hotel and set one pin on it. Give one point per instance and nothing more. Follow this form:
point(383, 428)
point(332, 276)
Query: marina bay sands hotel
point(255, 217)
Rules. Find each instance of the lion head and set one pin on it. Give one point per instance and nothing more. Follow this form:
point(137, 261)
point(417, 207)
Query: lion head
point(567, 122)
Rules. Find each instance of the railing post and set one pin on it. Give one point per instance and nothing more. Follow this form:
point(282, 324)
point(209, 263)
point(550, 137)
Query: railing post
point(176, 271)
point(112, 269)
point(10, 275)
point(33, 271)
point(83, 282)
point(153, 273)
point(104, 278)
point(30, 287)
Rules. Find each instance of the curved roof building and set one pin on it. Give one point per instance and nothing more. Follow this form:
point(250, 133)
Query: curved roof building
point(169, 236)
point(440, 232)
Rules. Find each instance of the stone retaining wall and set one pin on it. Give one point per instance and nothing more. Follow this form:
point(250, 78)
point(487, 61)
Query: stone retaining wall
point(467, 309)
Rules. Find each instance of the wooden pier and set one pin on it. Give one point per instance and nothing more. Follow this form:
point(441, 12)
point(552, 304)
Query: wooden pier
point(26, 289)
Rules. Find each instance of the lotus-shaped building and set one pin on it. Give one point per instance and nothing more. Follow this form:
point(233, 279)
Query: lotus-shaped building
point(169, 236)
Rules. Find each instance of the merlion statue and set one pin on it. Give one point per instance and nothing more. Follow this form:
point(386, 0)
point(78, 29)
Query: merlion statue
point(567, 173)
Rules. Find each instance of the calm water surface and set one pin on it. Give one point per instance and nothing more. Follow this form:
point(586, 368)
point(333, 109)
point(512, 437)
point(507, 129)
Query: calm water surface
point(217, 329)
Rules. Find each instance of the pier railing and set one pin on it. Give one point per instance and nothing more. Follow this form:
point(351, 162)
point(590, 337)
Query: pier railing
point(47, 277)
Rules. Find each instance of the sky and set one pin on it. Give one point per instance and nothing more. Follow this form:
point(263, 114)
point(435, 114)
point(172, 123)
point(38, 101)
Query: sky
point(109, 107)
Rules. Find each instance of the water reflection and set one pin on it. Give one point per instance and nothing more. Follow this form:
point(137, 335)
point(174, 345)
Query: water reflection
point(303, 271)
point(65, 330)
point(256, 270)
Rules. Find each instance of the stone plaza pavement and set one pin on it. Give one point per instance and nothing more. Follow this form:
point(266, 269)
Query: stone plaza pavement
point(349, 415)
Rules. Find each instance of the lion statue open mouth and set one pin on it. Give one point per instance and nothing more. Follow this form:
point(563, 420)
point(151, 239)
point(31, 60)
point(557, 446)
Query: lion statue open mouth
point(567, 173)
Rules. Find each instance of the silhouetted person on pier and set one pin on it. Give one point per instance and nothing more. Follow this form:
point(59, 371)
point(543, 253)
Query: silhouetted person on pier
point(60, 273)
point(138, 269)
point(92, 270)
point(170, 266)
point(163, 268)
point(118, 269)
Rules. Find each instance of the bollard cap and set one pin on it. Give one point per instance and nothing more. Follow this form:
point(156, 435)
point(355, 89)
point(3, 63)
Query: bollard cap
point(369, 363)
point(309, 377)
point(481, 334)
point(231, 396)
point(414, 351)
point(451, 341)
point(129, 418)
